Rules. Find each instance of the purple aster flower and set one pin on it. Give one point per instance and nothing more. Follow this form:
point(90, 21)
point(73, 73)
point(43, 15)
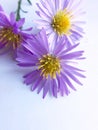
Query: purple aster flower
point(51, 71)
point(61, 18)
point(11, 35)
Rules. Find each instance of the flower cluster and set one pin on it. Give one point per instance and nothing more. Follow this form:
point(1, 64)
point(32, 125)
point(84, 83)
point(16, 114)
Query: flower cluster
point(11, 35)
point(60, 18)
point(51, 52)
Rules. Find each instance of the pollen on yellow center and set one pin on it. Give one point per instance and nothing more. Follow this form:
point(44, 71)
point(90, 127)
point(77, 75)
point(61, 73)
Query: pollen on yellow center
point(49, 66)
point(61, 22)
point(7, 35)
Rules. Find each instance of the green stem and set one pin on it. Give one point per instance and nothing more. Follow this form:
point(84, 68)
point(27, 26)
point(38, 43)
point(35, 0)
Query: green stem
point(18, 10)
point(29, 2)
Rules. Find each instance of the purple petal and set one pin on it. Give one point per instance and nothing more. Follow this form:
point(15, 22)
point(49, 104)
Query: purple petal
point(78, 74)
point(28, 29)
point(73, 77)
point(65, 3)
point(45, 7)
point(12, 18)
point(38, 13)
point(76, 35)
point(43, 12)
point(68, 81)
point(32, 50)
point(70, 4)
point(38, 45)
point(23, 61)
point(54, 87)
point(41, 85)
point(56, 5)
point(4, 20)
point(50, 5)
point(31, 77)
point(20, 23)
point(1, 9)
point(70, 41)
point(69, 67)
point(30, 74)
point(70, 48)
point(36, 83)
point(62, 86)
point(59, 46)
point(46, 87)
point(4, 49)
point(43, 39)
point(77, 29)
point(2, 44)
point(73, 55)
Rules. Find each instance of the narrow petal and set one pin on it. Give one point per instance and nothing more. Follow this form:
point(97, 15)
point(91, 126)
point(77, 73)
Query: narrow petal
point(31, 77)
point(59, 46)
point(60, 86)
point(43, 12)
point(64, 4)
point(54, 88)
point(1, 9)
point(36, 83)
point(75, 36)
point(63, 86)
point(69, 67)
point(4, 20)
point(38, 45)
point(56, 5)
point(68, 81)
point(70, 4)
point(20, 23)
point(28, 29)
point(45, 7)
point(4, 50)
point(78, 74)
point(73, 77)
point(73, 55)
point(22, 61)
point(77, 29)
point(43, 37)
point(12, 18)
point(2, 45)
point(46, 87)
point(41, 85)
point(33, 50)
point(32, 73)
point(70, 48)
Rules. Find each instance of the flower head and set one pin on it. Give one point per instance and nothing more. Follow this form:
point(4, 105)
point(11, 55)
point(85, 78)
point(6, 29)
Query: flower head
point(11, 35)
point(60, 18)
point(51, 70)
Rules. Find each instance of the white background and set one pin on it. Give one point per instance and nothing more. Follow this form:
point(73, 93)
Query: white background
point(21, 109)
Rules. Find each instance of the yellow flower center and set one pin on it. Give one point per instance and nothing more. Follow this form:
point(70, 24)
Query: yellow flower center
point(49, 65)
point(7, 35)
point(61, 22)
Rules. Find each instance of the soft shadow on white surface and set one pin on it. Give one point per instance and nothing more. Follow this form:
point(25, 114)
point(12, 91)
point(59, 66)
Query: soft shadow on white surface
point(21, 109)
